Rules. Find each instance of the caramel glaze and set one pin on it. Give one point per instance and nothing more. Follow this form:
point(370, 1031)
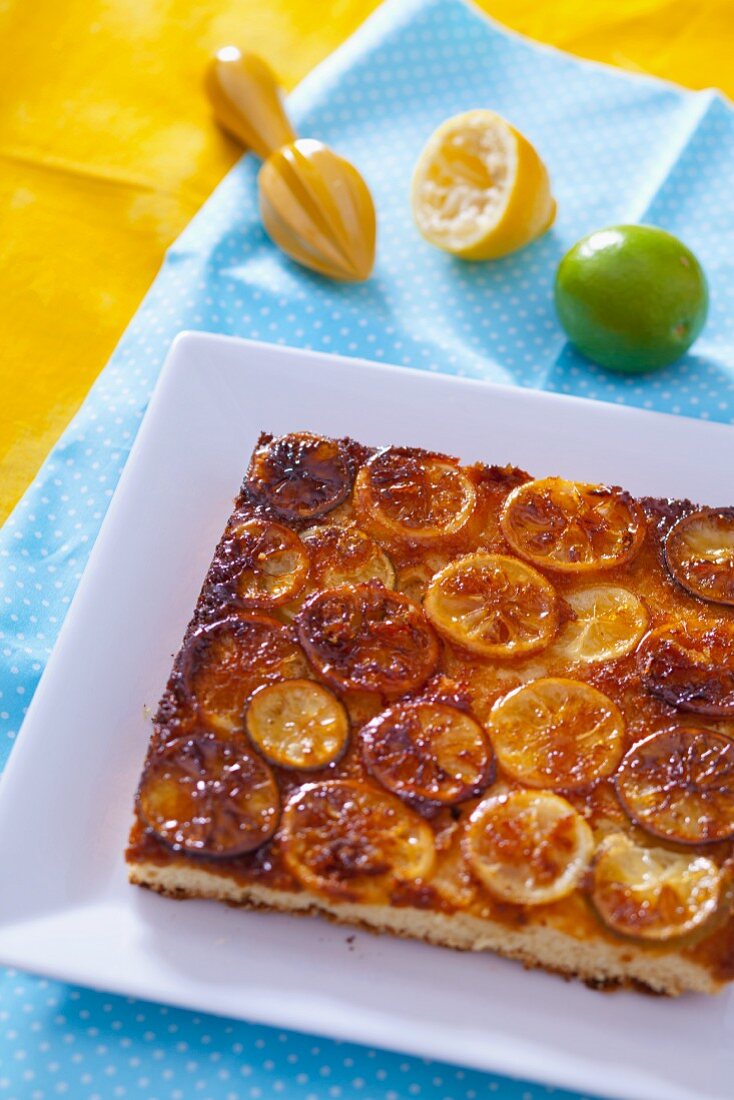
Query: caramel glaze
point(473, 684)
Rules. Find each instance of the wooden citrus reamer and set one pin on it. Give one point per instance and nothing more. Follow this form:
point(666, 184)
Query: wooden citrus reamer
point(314, 204)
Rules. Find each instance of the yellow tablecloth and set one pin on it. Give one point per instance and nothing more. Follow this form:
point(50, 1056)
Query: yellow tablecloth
point(107, 149)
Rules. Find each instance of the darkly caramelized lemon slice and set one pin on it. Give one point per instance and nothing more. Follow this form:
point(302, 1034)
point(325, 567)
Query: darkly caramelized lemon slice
point(268, 564)
point(557, 733)
point(223, 664)
point(608, 623)
point(653, 894)
point(368, 637)
point(208, 797)
point(429, 752)
point(699, 552)
point(691, 668)
point(571, 526)
point(528, 847)
point(348, 840)
point(679, 785)
point(409, 495)
point(300, 475)
point(346, 555)
point(493, 605)
point(297, 724)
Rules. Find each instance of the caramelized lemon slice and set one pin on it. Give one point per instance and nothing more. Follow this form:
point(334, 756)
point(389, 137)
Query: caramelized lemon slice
point(699, 552)
point(528, 847)
point(297, 724)
point(571, 526)
point(346, 555)
point(366, 637)
point(349, 841)
point(452, 878)
point(428, 752)
point(557, 733)
point(609, 623)
point(269, 563)
point(653, 893)
point(679, 785)
point(408, 495)
point(691, 668)
point(209, 797)
point(492, 605)
point(224, 663)
point(300, 475)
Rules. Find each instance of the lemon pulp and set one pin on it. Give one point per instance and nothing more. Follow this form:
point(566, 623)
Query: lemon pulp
point(480, 190)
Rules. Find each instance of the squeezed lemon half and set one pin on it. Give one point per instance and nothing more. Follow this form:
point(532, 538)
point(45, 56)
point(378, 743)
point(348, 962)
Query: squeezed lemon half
point(480, 190)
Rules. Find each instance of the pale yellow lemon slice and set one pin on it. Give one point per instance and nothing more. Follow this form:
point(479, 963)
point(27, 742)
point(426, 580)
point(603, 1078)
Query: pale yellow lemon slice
point(452, 877)
point(528, 847)
point(340, 556)
point(297, 724)
point(609, 622)
point(344, 555)
point(480, 190)
point(652, 893)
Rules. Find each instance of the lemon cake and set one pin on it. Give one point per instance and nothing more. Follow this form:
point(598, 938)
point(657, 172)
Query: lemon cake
point(459, 704)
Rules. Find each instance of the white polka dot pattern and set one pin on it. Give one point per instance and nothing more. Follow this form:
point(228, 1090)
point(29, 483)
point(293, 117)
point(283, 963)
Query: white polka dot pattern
point(58, 1041)
point(619, 149)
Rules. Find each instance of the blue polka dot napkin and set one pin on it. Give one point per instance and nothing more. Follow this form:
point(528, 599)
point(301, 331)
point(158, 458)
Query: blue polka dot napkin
point(620, 148)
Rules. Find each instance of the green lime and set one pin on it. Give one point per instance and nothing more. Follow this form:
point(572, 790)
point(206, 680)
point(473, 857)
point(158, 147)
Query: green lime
point(631, 297)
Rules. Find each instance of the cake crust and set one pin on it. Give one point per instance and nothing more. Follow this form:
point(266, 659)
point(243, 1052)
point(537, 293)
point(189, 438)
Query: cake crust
point(603, 966)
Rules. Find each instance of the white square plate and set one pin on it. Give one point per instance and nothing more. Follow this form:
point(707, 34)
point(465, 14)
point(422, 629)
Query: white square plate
point(66, 797)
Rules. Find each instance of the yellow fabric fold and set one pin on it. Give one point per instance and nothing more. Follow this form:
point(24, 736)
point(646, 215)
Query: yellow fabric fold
point(107, 148)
